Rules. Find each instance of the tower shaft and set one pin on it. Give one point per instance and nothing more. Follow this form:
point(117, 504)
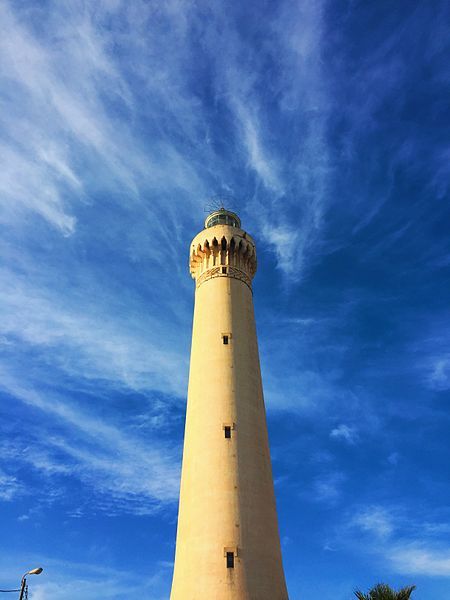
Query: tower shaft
point(227, 540)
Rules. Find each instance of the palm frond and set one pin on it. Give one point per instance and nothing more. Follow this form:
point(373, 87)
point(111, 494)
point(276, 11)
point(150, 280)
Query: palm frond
point(383, 591)
point(405, 593)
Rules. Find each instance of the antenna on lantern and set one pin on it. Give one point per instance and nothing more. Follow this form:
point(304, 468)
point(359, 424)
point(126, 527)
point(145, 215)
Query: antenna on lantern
point(220, 211)
point(221, 202)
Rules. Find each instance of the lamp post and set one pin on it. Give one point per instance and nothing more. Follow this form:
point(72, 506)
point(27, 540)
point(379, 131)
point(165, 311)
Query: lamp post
point(37, 571)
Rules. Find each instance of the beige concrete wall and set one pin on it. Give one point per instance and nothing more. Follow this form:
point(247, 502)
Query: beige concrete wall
point(226, 499)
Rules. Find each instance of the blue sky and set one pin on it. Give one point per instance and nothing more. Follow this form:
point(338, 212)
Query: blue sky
point(328, 122)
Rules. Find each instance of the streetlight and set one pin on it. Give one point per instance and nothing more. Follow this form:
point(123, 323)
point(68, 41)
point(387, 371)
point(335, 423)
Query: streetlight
point(37, 571)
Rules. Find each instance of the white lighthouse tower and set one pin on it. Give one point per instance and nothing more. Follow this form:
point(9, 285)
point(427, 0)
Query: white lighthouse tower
point(228, 545)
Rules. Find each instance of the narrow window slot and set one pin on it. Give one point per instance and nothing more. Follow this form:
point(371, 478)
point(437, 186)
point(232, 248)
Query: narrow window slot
point(225, 339)
point(230, 560)
point(224, 270)
point(227, 430)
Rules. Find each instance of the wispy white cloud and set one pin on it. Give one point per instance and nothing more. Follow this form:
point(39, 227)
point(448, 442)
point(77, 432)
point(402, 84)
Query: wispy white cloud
point(407, 545)
point(71, 580)
point(126, 471)
point(259, 159)
point(393, 458)
point(37, 192)
point(72, 133)
point(82, 342)
point(375, 520)
point(344, 432)
point(295, 389)
point(10, 487)
point(327, 488)
point(417, 559)
point(439, 374)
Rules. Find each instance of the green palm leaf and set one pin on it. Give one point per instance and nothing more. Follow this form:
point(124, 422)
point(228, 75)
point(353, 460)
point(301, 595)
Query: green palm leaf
point(384, 592)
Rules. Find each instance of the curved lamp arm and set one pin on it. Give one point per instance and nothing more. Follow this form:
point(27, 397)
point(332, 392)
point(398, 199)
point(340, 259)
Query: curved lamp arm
point(36, 571)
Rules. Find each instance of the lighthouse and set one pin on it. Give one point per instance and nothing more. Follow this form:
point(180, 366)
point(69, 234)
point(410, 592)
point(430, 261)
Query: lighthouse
point(228, 544)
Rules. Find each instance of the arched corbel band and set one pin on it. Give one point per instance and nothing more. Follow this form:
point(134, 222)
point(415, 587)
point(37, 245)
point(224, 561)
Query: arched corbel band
point(223, 256)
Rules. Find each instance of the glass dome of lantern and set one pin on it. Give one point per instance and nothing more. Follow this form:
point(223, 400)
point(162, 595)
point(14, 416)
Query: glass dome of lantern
point(223, 217)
